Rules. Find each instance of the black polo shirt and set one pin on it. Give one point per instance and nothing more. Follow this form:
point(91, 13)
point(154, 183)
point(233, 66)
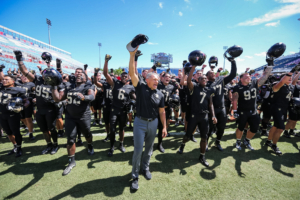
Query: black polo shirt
point(148, 101)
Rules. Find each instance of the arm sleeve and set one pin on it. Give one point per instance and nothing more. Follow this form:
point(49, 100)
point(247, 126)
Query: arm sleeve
point(232, 74)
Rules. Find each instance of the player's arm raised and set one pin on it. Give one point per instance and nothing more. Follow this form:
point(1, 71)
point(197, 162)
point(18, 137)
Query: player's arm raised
point(105, 71)
point(132, 74)
point(22, 67)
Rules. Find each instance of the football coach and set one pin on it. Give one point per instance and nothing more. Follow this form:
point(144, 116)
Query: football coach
point(149, 109)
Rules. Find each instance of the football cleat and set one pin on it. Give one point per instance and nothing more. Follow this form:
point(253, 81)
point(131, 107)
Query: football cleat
point(193, 139)
point(247, 144)
point(218, 145)
point(69, 168)
point(47, 150)
point(203, 160)
point(19, 152)
point(286, 134)
point(135, 184)
point(14, 150)
point(264, 133)
point(268, 143)
point(91, 151)
point(106, 139)
point(181, 148)
point(276, 150)
point(238, 144)
point(111, 152)
point(122, 148)
point(31, 137)
point(54, 149)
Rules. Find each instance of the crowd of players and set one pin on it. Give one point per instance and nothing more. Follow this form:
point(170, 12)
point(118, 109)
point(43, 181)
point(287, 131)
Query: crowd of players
point(200, 102)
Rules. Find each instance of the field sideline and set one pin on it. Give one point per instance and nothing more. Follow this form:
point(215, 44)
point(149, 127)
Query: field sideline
point(232, 174)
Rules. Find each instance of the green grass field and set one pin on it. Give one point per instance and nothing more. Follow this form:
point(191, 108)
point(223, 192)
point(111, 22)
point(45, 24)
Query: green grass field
point(232, 174)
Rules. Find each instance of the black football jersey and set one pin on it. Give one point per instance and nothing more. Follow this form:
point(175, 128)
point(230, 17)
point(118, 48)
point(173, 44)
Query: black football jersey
point(28, 87)
point(6, 94)
point(107, 94)
point(247, 95)
point(219, 86)
point(200, 97)
point(43, 94)
point(100, 93)
point(121, 94)
point(76, 107)
point(282, 97)
point(167, 91)
point(226, 90)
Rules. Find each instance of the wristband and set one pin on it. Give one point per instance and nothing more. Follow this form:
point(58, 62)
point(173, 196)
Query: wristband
point(26, 74)
point(136, 58)
point(288, 75)
point(218, 71)
point(1, 70)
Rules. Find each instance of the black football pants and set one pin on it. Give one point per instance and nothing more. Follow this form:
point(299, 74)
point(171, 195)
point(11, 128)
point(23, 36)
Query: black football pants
point(221, 116)
point(116, 116)
point(11, 125)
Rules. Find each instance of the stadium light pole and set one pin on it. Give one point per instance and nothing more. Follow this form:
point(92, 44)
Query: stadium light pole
point(49, 24)
point(99, 44)
point(224, 48)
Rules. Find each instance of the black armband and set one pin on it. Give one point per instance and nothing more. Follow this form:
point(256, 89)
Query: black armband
point(89, 97)
point(218, 71)
point(288, 75)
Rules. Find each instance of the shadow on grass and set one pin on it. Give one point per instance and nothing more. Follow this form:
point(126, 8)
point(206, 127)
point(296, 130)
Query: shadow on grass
point(111, 187)
point(287, 159)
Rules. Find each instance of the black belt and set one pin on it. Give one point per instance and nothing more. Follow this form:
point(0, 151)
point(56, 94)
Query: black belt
point(146, 119)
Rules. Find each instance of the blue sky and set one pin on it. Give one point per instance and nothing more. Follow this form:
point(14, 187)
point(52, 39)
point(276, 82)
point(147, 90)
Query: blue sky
point(173, 26)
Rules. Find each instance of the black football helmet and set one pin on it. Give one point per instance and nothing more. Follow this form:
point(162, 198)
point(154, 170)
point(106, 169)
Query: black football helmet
point(52, 77)
point(187, 68)
point(234, 52)
point(276, 50)
point(212, 60)
point(174, 101)
point(15, 104)
point(197, 58)
point(47, 57)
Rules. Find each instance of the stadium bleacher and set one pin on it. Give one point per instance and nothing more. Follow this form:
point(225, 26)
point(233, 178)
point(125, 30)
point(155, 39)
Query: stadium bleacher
point(282, 64)
point(32, 49)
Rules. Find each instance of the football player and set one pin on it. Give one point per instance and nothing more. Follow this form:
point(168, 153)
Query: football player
point(167, 90)
point(121, 92)
point(26, 114)
point(10, 118)
point(78, 115)
point(46, 114)
point(218, 84)
point(244, 96)
point(201, 105)
point(280, 98)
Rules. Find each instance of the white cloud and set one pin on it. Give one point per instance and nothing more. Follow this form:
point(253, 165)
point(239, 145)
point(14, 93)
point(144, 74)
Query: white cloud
point(285, 11)
point(240, 59)
point(158, 24)
point(151, 43)
point(187, 1)
point(292, 52)
point(261, 54)
point(210, 36)
point(248, 56)
point(191, 25)
point(180, 14)
point(160, 4)
point(275, 24)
